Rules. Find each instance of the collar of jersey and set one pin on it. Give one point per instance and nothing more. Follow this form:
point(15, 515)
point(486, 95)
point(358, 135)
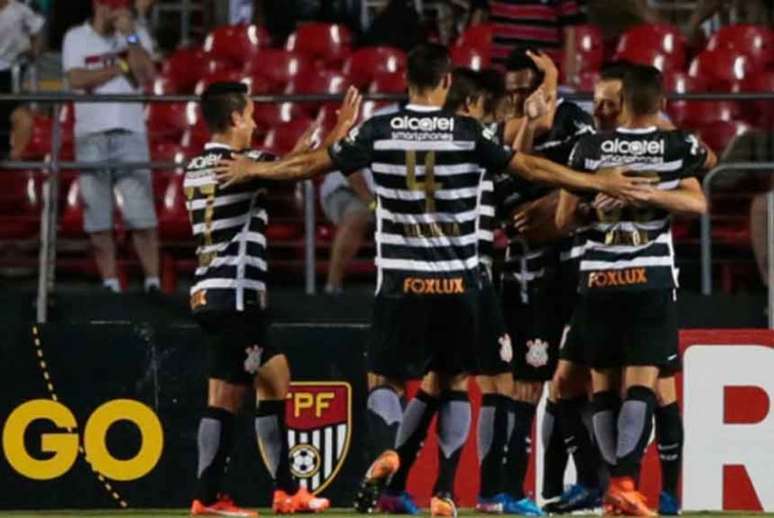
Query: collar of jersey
point(638, 131)
point(211, 145)
point(422, 108)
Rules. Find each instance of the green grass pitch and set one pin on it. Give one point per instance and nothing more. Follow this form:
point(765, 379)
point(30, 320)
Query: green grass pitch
point(333, 513)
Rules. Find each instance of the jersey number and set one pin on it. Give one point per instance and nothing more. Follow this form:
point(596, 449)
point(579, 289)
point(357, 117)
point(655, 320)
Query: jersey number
point(429, 186)
point(208, 191)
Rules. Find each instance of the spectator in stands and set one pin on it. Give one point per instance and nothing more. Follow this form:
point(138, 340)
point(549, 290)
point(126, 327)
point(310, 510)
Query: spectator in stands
point(110, 54)
point(143, 8)
point(546, 25)
point(397, 25)
point(347, 204)
point(20, 27)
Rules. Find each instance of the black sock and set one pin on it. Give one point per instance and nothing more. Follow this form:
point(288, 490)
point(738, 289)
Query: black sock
point(669, 436)
point(578, 441)
point(606, 405)
point(272, 431)
point(411, 434)
point(554, 453)
point(492, 440)
point(635, 422)
point(453, 427)
point(384, 414)
point(519, 447)
point(215, 441)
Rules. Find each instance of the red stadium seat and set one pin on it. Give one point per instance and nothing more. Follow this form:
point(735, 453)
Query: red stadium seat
point(325, 42)
point(760, 113)
point(724, 69)
point(470, 57)
point(167, 121)
point(236, 43)
point(589, 47)
point(369, 62)
point(318, 82)
point(650, 56)
point(280, 66)
point(586, 80)
point(269, 115)
point(281, 139)
point(696, 114)
point(756, 41)
point(19, 204)
point(194, 138)
point(40, 142)
point(394, 83)
point(664, 38)
point(174, 224)
point(71, 222)
point(719, 134)
point(215, 77)
point(184, 68)
point(477, 36)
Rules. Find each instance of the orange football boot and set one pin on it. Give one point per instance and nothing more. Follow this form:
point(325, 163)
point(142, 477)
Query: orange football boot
point(223, 506)
point(623, 499)
point(443, 506)
point(302, 502)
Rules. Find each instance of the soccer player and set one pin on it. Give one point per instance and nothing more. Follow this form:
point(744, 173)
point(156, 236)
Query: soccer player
point(626, 317)
point(427, 170)
point(572, 377)
point(532, 292)
point(228, 300)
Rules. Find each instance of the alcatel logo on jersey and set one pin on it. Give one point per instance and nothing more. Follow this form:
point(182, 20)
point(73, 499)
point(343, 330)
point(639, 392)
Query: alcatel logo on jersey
point(633, 147)
point(615, 278)
point(422, 124)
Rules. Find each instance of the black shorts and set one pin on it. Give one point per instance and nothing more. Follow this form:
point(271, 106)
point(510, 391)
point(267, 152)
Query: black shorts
point(237, 344)
point(495, 350)
point(535, 327)
point(618, 329)
point(412, 335)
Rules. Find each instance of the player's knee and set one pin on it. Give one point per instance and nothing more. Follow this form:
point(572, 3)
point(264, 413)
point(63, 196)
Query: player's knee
point(666, 392)
point(225, 395)
point(527, 391)
point(273, 381)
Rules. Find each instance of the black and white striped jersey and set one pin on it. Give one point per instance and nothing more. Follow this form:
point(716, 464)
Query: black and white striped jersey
point(229, 226)
point(487, 217)
point(631, 248)
point(428, 166)
point(525, 261)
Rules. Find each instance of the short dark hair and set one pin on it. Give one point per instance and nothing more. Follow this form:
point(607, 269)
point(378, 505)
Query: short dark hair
point(466, 84)
point(427, 64)
point(519, 60)
point(493, 84)
point(219, 101)
point(643, 90)
point(615, 70)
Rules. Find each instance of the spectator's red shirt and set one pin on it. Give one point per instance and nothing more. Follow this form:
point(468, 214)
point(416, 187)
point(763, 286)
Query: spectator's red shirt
point(534, 23)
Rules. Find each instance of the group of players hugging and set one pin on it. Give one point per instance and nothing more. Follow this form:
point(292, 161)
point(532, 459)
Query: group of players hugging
point(584, 301)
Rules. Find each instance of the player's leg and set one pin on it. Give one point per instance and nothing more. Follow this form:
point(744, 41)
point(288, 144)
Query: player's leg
point(554, 451)
point(271, 385)
point(669, 439)
point(351, 228)
point(492, 436)
point(229, 383)
point(384, 411)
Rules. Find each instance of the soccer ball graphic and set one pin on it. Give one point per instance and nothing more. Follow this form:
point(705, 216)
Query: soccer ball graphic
point(304, 461)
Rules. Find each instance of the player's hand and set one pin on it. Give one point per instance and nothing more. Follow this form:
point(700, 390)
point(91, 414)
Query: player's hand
point(544, 63)
point(309, 139)
point(618, 184)
point(349, 111)
point(536, 105)
point(523, 219)
point(230, 171)
point(606, 203)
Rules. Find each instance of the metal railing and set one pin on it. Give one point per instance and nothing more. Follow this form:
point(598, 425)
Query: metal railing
point(50, 192)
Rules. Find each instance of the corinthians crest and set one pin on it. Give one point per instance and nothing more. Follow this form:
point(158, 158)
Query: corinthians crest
point(319, 417)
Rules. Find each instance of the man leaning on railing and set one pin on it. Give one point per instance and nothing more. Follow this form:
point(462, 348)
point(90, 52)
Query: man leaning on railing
point(110, 54)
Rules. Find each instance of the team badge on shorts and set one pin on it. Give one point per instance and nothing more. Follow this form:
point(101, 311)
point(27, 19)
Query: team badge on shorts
point(319, 417)
point(537, 353)
point(253, 359)
point(506, 349)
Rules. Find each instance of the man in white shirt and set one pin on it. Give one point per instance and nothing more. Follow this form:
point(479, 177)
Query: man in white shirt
point(110, 54)
point(20, 28)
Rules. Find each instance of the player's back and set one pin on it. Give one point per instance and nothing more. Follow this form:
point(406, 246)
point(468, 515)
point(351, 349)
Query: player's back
point(427, 168)
point(631, 247)
point(229, 226)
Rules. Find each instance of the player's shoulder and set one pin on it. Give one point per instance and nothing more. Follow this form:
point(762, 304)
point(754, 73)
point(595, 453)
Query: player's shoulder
point(571, 110)
point(207, 159)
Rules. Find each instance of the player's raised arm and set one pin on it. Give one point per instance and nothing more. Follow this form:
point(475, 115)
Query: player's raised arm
point(300, 165)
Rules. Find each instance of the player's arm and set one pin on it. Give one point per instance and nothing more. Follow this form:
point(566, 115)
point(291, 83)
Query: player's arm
point(296, 166)
point(359, 186)
point(612, 181)
point(687, 199)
